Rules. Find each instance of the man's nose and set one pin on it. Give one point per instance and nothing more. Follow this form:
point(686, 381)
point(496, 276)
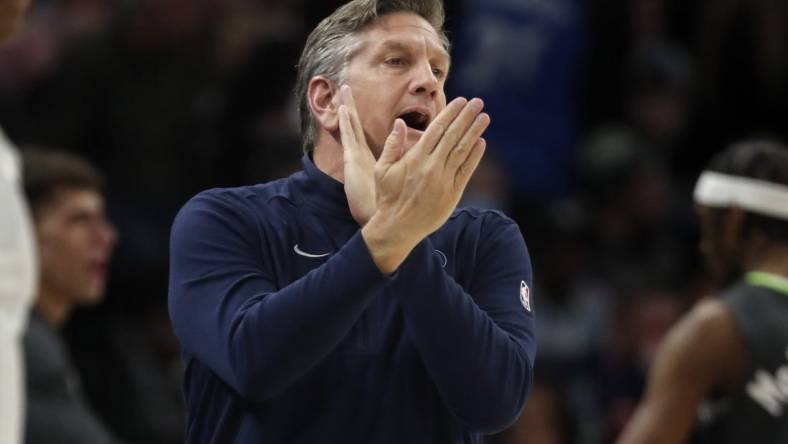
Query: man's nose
point(106, 233)
point(424, 81)
point(111, 234)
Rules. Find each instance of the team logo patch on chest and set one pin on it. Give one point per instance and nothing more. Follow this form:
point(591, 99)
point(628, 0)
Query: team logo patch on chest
point(525, 295)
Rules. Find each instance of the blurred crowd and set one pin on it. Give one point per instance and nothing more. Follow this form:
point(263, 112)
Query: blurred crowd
point(603, 113)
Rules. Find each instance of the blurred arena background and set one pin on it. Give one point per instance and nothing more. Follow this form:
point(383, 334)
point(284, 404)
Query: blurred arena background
point(603, 113)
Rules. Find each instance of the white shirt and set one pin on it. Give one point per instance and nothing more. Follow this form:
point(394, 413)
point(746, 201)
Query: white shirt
point(18, 279)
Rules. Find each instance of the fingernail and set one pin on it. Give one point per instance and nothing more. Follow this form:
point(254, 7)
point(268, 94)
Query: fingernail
point(477, 103)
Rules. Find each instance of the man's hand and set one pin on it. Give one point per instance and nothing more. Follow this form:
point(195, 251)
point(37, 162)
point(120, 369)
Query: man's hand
point(417, 190)
point(358, 159)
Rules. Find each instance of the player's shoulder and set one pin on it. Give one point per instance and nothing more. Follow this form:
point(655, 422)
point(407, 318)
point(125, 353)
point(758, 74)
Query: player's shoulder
point(708, 329)
point(707, 322)
point(709, 314)
point(705, 347)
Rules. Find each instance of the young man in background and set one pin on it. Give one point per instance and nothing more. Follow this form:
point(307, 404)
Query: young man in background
point(75, 243)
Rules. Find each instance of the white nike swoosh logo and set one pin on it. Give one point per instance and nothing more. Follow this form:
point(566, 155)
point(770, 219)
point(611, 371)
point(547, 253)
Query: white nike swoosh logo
point(443, 257)
point(305, 254)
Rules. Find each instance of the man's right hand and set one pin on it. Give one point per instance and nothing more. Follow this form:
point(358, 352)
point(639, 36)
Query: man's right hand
point(416, 191)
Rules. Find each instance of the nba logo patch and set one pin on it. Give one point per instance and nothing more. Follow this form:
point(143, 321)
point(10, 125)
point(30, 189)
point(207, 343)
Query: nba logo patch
point(525, 295)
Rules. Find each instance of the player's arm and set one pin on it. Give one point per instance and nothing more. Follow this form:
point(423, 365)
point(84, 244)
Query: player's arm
point(704, 351)
point(478, 345)
point(228, 312)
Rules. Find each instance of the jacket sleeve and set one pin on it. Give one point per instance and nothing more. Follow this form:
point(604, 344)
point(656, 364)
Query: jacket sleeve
point(478, 344)
point(228, 314)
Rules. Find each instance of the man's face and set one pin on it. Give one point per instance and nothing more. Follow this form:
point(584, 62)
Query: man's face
point(11, 14)
point(75, 245)
point(399, 70)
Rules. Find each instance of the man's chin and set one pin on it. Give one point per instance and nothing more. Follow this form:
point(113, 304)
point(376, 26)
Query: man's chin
point(91, 298)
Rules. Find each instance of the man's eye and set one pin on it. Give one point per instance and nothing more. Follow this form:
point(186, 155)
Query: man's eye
point(395, 61)
point(79, 219)
point(437, 72)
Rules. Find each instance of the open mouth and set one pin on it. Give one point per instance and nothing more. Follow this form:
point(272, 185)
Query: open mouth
point(416, 120)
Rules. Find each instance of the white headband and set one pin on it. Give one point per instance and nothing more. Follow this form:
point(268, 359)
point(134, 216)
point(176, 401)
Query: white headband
point(757, 196)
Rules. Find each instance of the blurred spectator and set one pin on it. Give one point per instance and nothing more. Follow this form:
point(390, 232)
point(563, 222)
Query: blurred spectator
point(660, 97)
point(172, 98)
point(639, 217)
point(75, 243)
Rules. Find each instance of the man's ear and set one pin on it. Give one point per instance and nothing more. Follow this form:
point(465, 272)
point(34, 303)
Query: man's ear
point(733, 226)
point(321, 94)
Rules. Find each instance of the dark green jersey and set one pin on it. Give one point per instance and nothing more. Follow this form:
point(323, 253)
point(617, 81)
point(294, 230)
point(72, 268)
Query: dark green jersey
point(757, 410)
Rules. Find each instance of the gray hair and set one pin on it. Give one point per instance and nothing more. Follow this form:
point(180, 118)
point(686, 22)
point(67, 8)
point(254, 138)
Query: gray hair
point(334, 41)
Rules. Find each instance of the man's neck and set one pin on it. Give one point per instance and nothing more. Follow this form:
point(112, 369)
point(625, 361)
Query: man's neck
point(772, 260)
point(328, 158)
point(52, 306)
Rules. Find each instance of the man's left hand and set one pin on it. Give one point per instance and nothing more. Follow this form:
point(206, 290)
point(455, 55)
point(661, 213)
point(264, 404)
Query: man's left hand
point(358, 160)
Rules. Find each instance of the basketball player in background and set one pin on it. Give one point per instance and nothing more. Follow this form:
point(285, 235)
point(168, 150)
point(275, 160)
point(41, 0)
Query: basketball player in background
point(721, 375)
point(17, 261)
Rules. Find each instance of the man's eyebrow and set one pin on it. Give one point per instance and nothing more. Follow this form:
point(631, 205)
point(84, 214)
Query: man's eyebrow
point(398, 45)
point(388, 45)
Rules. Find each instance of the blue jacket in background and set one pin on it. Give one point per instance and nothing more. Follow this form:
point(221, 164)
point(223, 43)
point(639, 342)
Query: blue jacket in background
point(291, 334)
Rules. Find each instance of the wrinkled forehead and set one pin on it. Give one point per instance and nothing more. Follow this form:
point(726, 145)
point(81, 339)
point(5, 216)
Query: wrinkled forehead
point(402, 29)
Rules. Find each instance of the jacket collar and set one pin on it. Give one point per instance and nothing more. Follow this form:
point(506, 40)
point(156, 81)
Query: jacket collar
point(320, 191)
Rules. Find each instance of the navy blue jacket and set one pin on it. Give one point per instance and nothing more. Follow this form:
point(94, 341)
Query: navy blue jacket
point(291, 334)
